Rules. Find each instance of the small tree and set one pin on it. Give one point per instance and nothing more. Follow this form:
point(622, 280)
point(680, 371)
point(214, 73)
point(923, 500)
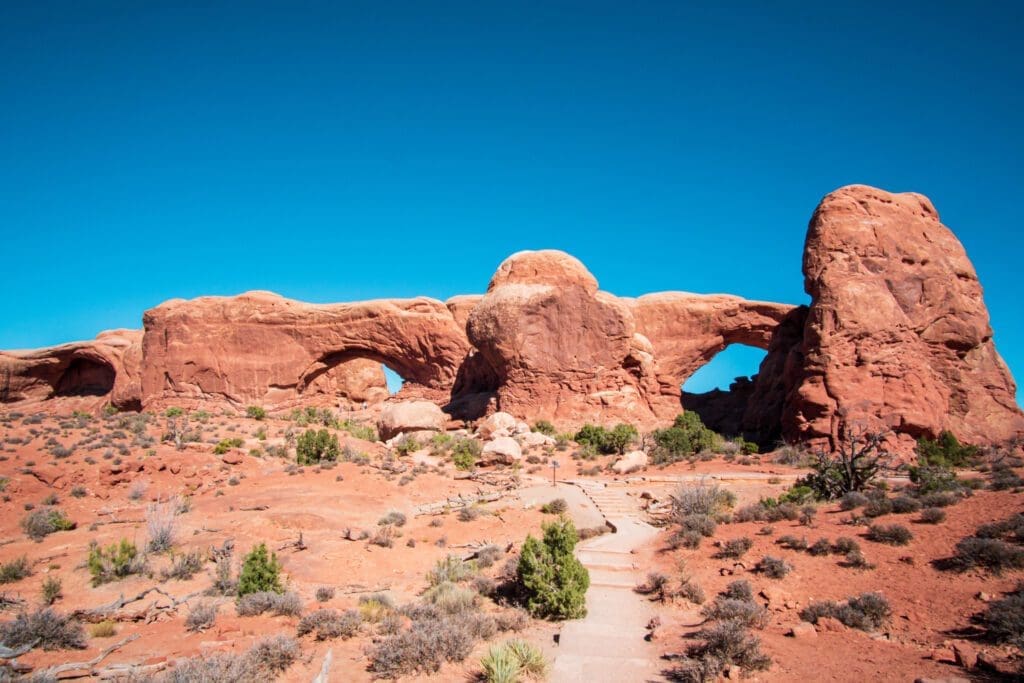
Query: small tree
point(261, 572)
point(554, 582)
point(859, 457)
point(314, 446)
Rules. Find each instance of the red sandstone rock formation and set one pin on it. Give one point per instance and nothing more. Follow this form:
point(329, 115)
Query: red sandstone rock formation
point(262, 348)
point(565, 351)
point(897, 336)
point(106, 369)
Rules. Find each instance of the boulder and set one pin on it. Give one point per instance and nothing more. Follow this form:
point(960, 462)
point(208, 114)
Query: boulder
point(503, 450)
point(803, 631)
point(498, 424)
point(410, 416)
point(535, 440)
point(630, 462)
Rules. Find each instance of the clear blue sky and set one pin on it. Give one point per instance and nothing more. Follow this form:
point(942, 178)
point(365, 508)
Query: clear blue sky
point(337, 151)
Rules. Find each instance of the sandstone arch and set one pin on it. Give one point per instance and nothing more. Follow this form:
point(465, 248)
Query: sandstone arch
point(261, 347)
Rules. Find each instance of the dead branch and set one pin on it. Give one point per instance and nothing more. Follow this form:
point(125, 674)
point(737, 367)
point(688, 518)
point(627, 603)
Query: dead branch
point(72, 666)
point(104, 611)
point(255, 508)
point(356, 588)
point(296, 545)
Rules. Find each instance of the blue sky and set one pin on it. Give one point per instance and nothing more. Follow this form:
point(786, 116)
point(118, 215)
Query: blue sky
point(339, 151)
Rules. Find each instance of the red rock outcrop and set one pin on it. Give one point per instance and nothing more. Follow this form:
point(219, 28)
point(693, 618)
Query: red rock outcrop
point(897, 336)
point(564, 351)
point(262, 348)
point(106, 369)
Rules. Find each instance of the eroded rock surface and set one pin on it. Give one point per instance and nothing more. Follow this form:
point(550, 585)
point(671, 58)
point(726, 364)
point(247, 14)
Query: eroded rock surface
point(897, 336)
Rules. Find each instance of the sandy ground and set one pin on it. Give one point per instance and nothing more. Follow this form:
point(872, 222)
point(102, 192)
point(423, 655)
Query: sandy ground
point(110, 477)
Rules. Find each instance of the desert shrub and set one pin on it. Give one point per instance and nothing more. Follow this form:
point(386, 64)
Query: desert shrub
point(39, 524)
point(314, 446)
point(393, 518)
point(905, 504)
point(544, 427)
point(406, 444)
point(820, 547)
point(488, 555)
point(890, 534)
point(422, 648)
point(685, 437)
point(774, 567)
point(739, 590)
point(324, 593)
point(1002, 477)
point(992, 554)
point(866, 612)
point(735, 548)
point(792, 542)
point(451, 568)
point(328, 624)
point(946, 451)
point(932, 515)
point(729, 643)
point(256, 413)
point(1011, 528)
point(701, 498)
point(225, 445)
point(160, 523)
point(43, 628)
point(374, 608)
point(939, 499)
point(656, 584)
point(15, 570)
point(184, 566)
point(469, 513)
point(934, 479)
point(858, 459)
point(261, 572)
point(511, 661)
point(746, 612)
point(274, 654)
point(359, 431)
point(692, 591)
point(384, 536)
point(201, 616)
point(851, 500)
point(553, 581)
point(557, 506)
point(877, 507)
point(1004, 618)
point(52, 589)
point(449, 598)
point(281, 604)
point(685, 538)
point(114, 562)
point(793, 456)
point(702, 524)
point(104, 629)
point(466, 453)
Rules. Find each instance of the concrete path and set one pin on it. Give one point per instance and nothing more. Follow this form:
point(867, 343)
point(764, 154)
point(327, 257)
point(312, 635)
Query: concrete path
point(608, 644)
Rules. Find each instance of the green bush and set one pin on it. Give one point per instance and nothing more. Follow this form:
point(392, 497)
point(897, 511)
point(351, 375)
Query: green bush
point(261, 572)
point(606, 441)
point(544, 427)
point(554, 582)
point(359, 431)
point(685, 437)
point(256, 412)
point(41, 523)
point(513, 660)
point(174, 412)
point(114, 562)
point(465, 453)
point(946, 451)
point(15, 570)
point(225, 445)
point(314, 446)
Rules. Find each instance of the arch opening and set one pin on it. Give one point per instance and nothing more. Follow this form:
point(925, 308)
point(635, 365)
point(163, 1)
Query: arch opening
point(351, 379)
point(720, 390)
point(85, 377)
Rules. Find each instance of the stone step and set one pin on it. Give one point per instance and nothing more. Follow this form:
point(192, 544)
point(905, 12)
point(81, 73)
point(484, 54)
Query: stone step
point(570, 668)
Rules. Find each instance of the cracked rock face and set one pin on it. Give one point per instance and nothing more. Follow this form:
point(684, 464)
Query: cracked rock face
point(897, 336)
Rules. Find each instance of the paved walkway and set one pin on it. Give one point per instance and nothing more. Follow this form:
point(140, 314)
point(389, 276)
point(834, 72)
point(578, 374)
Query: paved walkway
point(608, 644)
